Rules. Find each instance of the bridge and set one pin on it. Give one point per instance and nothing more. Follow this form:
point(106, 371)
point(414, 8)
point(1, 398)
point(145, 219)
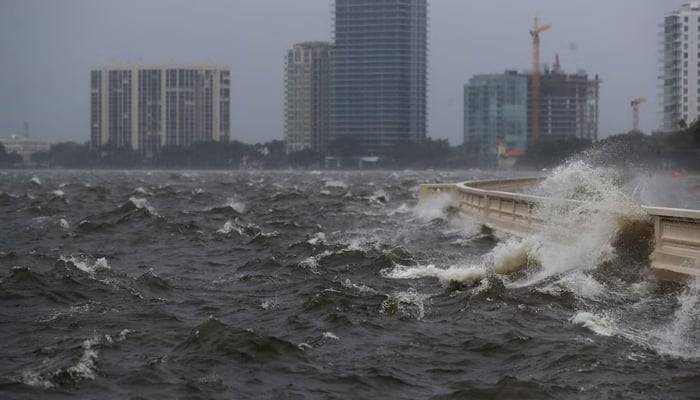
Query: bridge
point(501, 205)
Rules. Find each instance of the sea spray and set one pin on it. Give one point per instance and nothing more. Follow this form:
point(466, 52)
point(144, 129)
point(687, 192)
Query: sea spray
point(581, 208)
point(681, 337)
point(433, 207)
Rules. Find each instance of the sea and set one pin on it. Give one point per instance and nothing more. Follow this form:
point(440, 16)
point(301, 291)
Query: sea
point(335, 285)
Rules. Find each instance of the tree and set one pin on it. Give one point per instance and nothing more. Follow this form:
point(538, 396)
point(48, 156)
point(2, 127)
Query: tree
point(8, 159)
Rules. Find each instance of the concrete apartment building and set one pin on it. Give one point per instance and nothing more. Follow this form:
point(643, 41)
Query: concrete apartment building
point(307, 81)
point(147, 107)
point(379, 73)
point(679, 52)
point(498, 111)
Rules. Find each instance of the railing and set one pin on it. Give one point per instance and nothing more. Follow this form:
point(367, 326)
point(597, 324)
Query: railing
point(676, 254)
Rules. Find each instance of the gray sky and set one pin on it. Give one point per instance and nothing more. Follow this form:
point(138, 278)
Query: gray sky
point(47, 48)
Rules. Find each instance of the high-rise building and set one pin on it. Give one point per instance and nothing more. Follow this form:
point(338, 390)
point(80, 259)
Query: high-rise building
point(680, 67)
point(568, 105)
point(147, 107)
point(307, 96)
point(379, 73)
point(495, 113)
point(498, 111)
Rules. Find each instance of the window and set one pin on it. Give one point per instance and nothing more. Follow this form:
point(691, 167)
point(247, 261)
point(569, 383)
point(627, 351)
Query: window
point(685, 64)
point(685, 55)
point(685, 19)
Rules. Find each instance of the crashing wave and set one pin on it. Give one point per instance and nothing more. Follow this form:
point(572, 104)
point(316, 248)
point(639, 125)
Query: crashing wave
point(433, 207)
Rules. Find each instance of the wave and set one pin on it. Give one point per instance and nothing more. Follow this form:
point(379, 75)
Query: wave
point(215, 338)
point(231, 206)
point(86, 264)
point(84, 368)
point(50, 376)
point(462, 274)
point(434, 207)
point(409, 304)
point(133, 209)
point(335, 184)
point(154, 282)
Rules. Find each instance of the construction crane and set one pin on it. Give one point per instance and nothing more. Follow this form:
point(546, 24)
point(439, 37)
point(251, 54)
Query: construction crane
point(635, 110)
point(535, 33)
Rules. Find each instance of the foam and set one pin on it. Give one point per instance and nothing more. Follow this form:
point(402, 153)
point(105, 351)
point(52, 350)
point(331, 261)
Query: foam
point(85, 265)
point(465, 274)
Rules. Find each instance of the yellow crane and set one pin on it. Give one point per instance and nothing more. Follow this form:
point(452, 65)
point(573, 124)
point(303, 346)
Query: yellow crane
point(635, 112)
point(535, 33)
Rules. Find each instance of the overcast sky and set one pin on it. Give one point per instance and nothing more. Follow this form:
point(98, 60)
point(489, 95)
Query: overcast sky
point(47, 48)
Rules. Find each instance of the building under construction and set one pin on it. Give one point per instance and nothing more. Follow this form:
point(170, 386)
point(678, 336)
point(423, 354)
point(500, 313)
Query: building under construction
point(568, 105)
point(498, 113)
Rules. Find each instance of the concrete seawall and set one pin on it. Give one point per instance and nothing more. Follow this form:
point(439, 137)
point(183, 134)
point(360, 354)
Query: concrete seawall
point(496, 203)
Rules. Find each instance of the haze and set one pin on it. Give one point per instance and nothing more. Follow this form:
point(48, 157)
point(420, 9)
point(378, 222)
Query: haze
point(47, 49)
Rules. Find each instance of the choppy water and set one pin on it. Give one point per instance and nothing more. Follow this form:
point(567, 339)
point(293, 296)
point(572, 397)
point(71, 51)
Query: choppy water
point(285, 285)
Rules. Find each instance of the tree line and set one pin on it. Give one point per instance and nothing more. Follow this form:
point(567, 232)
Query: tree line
point(678, 150)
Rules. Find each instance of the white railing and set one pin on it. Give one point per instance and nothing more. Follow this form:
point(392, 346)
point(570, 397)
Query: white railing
point(497, 204)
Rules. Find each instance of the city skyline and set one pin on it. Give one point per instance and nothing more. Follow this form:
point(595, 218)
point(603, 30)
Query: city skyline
point(73, 37)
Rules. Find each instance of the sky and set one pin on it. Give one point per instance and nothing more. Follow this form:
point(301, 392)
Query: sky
point(48, 47)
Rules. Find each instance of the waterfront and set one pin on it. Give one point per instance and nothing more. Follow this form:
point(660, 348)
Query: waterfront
point(320, 285)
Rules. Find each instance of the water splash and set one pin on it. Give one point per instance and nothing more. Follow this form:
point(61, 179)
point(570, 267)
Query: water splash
point(582, 209)
point(681, 337)
point(433, 207)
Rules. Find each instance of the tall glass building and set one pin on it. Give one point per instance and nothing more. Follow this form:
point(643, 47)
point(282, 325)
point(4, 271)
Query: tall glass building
point(680, 67)
point(379, 74)
point(495, 113)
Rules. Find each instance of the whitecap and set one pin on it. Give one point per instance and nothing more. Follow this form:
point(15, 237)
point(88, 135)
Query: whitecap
point(599, 324)
point(63, 223)
point(464, 274)
point(318, 238)
point(330, 335)
point(230, 227)
point(142, 203)
point(85, 265)
point(336, 184)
